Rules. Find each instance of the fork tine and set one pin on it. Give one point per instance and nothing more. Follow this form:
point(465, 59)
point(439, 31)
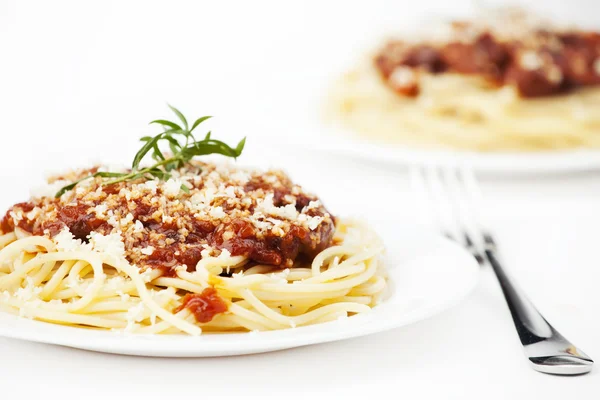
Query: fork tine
point(474, 197)
point(441, 189)
point(426, 198)
point(439, 198)
point(465, 219)
point(422, 198)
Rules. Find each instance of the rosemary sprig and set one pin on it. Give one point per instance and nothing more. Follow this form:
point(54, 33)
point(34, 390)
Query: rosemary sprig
point(182, 144)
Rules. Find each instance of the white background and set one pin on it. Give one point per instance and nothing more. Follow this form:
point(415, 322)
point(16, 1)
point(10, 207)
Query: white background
point(80, 80)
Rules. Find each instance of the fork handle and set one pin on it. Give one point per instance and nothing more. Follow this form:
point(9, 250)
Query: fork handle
point(546, 348)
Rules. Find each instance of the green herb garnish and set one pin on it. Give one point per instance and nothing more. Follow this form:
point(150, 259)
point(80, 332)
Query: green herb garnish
point(183, 146)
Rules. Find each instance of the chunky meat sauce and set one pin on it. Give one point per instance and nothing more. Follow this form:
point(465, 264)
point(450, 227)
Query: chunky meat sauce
point(537, 63)
point(260, 215)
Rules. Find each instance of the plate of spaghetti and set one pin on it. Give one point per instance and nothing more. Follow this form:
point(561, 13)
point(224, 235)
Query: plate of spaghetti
point(504, 90)
point(186, 257)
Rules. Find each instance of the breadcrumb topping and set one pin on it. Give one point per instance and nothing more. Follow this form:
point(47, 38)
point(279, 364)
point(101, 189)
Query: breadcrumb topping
point(204, 210)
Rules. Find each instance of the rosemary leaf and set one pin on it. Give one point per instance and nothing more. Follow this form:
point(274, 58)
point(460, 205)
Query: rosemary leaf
point(180, 116)
point(199, 121)
point(182, 153)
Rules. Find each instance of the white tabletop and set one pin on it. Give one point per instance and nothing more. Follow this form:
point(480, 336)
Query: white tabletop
point(75, 77)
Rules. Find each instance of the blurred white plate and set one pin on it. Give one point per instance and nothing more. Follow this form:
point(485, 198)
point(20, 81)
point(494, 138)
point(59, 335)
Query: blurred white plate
point(428, 274)
point(552, 162)
point(321, 138)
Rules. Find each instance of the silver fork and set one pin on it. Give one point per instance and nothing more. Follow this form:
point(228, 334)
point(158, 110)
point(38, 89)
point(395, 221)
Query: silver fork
point(454, 196)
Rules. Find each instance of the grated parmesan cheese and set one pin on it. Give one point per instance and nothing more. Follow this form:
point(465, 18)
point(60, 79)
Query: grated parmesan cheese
point(217, 212)
point(100, 210)
point(147, 250)
point(65, 241)
point(267, 207)
point(138, 226)
point(172, 187)
point(110, 244)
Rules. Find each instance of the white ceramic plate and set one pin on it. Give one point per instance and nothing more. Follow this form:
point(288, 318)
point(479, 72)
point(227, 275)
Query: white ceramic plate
point(327, 140)
point(529, 163)
point(428, 275)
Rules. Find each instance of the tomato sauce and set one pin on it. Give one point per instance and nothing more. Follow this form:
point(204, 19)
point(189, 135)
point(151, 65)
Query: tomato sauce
point(542, 64)
point(204, 306)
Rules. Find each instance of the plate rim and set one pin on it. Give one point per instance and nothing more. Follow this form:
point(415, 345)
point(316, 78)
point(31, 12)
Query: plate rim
point(490, 163)
point(135, 344)
point(331, 139)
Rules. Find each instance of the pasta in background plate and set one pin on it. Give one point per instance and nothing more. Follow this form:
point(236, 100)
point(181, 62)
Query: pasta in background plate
point(500, 83)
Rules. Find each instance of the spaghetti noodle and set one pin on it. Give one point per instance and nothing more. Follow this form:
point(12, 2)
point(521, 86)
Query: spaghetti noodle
point(495, 84)
point(239, 250)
